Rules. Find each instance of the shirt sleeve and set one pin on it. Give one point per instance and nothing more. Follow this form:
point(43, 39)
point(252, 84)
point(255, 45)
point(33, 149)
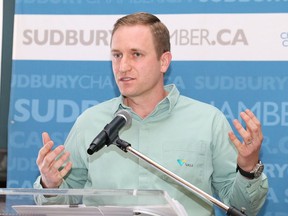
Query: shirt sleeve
point(249, 193)
point(40, 199)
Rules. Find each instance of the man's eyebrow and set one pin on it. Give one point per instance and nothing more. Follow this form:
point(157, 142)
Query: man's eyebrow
point(135, 49)
point(115, 50)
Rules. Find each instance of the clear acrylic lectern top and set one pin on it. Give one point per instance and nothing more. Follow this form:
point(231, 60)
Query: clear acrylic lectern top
point(20, 201)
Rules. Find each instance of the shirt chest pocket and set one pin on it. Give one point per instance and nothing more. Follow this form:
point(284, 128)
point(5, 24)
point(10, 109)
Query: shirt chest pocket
point(187, 161)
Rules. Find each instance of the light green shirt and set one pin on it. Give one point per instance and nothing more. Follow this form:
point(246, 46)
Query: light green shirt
point(188, 137)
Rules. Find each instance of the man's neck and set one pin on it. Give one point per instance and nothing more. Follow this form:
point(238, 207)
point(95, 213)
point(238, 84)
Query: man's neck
point(143, 106)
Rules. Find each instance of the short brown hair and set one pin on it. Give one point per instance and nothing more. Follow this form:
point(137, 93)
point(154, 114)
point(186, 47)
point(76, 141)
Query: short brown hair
point(159, 31)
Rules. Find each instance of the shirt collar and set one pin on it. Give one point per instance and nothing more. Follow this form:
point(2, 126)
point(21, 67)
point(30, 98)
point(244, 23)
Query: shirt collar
point(166, 105)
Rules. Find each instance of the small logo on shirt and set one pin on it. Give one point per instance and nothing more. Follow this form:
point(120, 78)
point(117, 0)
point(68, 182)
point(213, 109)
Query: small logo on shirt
point(183, 162)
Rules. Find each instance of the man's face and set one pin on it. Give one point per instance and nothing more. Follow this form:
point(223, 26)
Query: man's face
point(137, 70)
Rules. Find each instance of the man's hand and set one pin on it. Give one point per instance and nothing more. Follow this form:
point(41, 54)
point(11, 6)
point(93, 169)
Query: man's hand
point(249, 148)
point(50, 161)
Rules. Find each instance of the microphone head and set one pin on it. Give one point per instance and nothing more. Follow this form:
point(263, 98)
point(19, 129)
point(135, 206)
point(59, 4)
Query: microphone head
point(127, 116)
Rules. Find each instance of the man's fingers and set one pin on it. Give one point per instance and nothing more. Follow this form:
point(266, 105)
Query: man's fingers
point(255, 126)
point(52, 176)
point(60, 161)
point(253, 117)
point(246, 135)
point(45, 138)
point(66, 169)
point(49, 159)
point(47, 146)
point(235, 140)
point(43, 152)
point(254, 133)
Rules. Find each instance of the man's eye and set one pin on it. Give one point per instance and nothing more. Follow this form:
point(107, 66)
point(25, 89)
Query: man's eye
point(116, 55)
point(137, 54)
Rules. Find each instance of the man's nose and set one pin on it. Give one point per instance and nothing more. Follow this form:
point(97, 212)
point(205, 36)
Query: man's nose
point(125, 64)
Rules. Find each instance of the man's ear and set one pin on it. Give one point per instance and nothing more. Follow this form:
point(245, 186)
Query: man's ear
point(165, 61)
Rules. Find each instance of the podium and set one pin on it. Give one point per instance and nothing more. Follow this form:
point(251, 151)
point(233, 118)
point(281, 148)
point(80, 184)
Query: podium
point(21, 201)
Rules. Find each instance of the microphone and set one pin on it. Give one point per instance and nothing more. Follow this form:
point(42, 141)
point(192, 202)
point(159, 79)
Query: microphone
point(110, 131)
